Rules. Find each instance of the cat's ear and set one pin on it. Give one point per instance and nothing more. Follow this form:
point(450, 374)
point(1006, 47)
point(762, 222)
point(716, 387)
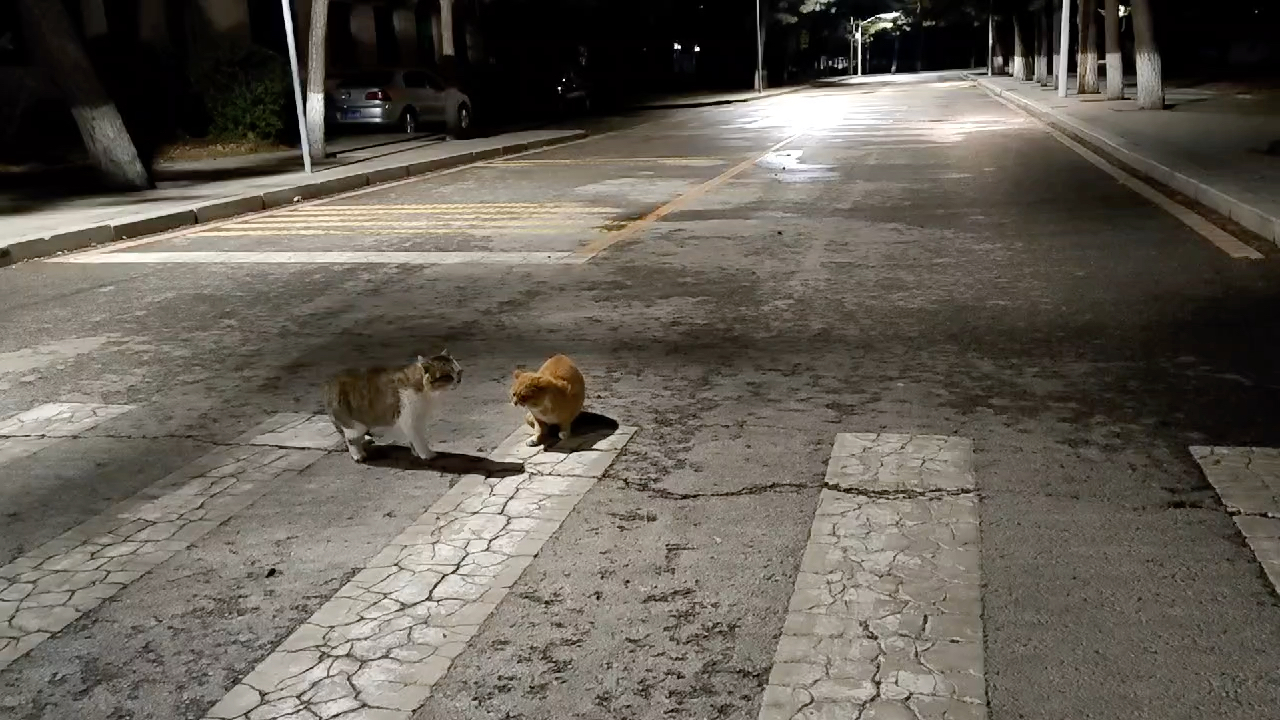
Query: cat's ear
point(445, 353)
point(422, 360)
point(517, 373)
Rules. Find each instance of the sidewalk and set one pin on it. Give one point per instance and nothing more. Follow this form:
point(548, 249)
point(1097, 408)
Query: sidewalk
point(1209, 145)
point(202, 191)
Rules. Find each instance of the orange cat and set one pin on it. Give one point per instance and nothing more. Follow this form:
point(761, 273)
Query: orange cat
point(553, 396)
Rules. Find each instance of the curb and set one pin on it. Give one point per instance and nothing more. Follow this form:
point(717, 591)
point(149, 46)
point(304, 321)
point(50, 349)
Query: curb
point(1258, 221)
point(34, 248)
point(713, 103)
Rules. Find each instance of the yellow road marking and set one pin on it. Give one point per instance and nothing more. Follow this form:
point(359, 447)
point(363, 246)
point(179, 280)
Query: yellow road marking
point(590, 250)
point(609, 161)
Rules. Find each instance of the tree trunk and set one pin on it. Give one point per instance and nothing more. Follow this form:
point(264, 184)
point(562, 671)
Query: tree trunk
point(1087, 50)
point(316, 77)
point(894, 67)
point(1115, 59)
point(1147, 58)
point(1055, 57)
point(153, 27)
point(54, 42)
point(1023, 61)
point(1043, 43)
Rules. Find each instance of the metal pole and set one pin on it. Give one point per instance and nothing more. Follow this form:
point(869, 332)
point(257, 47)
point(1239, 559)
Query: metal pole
point(859, 49)
point(297, 84)
point(759, 52)
point(852, 24)
point(1065, 44)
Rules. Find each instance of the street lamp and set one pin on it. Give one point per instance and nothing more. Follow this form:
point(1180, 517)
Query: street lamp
point(855, 41)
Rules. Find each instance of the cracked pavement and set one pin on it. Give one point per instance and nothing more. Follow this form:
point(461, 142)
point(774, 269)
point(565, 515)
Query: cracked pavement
point(921, 300)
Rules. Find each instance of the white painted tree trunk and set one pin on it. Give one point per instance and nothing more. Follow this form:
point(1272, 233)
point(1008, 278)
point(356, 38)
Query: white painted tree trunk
point(1043, 45)
point(1115, 58)
point(1147, 58)
point(1055, 52)
point(94, 15)
point(316, 66)
point(54, 42)
point(1021, 66)
point(446, 28)
point(1064, 48)
point(1087, 50)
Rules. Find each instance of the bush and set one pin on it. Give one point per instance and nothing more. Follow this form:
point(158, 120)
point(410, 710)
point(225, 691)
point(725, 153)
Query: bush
point(245, 94)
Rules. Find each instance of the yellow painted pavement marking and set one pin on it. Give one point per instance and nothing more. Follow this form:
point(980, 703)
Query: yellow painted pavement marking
point(686, 160)
point(590, 250)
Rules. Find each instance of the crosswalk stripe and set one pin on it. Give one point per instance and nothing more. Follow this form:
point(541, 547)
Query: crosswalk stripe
point(376, 649)
point(36, 429)
point(49, 587)
point(319, 258)
point(886, 617)
point(1248, 481)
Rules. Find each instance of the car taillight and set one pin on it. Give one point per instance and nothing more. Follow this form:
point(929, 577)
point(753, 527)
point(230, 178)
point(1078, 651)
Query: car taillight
point(380, 95)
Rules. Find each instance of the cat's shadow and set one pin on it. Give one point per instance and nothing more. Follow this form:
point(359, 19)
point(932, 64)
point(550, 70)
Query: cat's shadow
point(589, 430)
point(402, 458)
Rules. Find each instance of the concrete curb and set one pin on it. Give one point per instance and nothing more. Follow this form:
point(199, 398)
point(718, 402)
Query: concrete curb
point(34, 248)
point(1258, 221)
point(713, 103)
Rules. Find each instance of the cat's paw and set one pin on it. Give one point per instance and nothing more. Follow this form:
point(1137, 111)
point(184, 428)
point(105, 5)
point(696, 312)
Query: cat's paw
point(358, 455)
point(534, 441)
point(425, 454)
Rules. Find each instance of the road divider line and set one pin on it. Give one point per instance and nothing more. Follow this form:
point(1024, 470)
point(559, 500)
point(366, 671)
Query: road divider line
point(1223, 240)
point(595, 247)
point(1248, 481)
point(48, 588)
point(33, 430)
point(379, 646)
point(321, 258)
point(886, 617)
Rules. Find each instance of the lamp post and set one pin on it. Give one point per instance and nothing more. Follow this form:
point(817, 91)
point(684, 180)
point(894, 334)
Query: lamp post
point(759, 51)
point(297, 84)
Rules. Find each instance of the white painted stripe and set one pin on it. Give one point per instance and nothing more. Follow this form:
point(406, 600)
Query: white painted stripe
point(1248, 481)
point(31, 431)
point(294, 430)
point(376, 649)
point(1214, 234)
point(320, 258)
point(59, 419)
point(886, 617)
point(49, 587)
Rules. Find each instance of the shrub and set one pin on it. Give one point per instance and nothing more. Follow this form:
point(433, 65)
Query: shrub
point(245, 94)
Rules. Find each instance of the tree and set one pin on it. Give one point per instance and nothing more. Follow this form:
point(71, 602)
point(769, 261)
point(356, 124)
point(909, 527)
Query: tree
point(1022, 60)
point(315, 78)
point(1147, 58)
point(53, 41)
point(1044, 44)
point(1115, 59)
point(1087, 50)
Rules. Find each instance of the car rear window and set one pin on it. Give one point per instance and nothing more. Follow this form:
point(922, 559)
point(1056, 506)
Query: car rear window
point(366, 79)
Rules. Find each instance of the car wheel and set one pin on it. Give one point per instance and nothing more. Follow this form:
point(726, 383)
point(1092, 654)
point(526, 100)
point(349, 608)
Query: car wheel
point(409, 121)
point(460, 121)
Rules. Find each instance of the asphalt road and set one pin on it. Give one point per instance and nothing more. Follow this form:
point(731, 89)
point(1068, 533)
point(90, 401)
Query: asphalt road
point(908, 257)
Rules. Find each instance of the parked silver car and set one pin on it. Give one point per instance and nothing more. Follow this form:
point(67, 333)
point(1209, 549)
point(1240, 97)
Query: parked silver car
point(406, 98)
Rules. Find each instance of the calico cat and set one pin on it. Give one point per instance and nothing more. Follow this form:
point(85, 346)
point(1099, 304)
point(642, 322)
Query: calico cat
point(553, 396)
point(389, 401)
